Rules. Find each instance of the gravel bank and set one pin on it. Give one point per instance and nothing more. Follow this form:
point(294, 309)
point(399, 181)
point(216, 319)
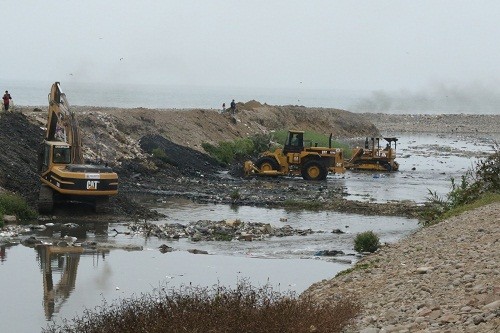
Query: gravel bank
point(444, 278)
point(435, 123)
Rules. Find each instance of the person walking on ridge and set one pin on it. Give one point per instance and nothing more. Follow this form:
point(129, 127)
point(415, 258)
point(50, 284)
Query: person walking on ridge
point(6, 100)
point(233, 107)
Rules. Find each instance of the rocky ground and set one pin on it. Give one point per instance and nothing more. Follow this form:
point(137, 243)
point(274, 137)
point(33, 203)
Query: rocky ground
point(444, 278)
point(435, 123)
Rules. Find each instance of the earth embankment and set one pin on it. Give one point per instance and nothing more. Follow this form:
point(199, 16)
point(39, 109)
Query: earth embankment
point(127, 138)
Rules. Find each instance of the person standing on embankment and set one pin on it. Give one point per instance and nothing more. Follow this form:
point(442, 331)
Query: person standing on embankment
point(6, 100)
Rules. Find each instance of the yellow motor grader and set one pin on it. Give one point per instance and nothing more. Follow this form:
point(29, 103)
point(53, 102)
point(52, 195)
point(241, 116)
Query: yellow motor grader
point(295, 158)
point(373, 157)
point(63, 175)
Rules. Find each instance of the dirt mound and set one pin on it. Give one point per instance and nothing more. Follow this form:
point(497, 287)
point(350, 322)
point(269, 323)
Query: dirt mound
point(251, 105)
point(187, 161)
point(19, 143)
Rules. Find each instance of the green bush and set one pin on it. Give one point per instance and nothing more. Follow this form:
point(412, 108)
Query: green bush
point(161, 155)
point(366, 242)
point(476, 184)
point(11, 204)
point(226, 152)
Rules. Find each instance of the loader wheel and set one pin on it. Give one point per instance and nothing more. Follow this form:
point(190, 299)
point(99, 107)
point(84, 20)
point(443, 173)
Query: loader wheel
point(313, 170)
point(45, 200)
point(267, 164)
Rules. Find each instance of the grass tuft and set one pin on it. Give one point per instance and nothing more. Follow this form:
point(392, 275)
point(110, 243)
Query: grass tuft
point(12, 204)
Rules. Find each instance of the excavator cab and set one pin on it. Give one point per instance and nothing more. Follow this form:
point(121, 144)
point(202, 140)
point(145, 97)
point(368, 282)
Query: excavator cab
point(54, 153)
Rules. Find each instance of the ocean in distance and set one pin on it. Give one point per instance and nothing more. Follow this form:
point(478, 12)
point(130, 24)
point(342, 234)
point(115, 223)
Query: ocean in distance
point(34, 93)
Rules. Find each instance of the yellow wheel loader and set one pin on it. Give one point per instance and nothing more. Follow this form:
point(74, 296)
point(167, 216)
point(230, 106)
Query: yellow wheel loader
point(373, 157)
point(63, 175)
point(297, 159)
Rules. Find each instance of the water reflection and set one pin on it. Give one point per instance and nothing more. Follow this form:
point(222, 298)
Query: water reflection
point(63, 260)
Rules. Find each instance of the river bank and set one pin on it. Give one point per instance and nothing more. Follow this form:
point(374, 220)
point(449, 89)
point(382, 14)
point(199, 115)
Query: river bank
point(126, 133)
point(443, 278)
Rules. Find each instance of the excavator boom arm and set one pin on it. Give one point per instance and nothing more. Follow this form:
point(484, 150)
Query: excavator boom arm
point(62, 124)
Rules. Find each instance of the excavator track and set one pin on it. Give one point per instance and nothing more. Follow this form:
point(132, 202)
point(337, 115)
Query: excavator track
point(45, 200)
point(101, 204)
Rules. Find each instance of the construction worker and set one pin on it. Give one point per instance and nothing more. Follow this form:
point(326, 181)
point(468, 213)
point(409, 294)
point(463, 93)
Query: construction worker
point(6, 100)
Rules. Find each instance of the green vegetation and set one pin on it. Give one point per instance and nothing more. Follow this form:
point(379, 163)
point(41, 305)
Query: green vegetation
point(235, 195)
point(228, 151)
point(366, 242)
point(11, 204)
point(161, 155)
point(356, 267)
point(216, 309)
point(479, 186)
point(222, 237)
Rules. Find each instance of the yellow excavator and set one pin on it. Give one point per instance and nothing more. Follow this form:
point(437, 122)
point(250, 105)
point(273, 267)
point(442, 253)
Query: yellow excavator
point(373, 157)
point(296, 158)
point(63, 175)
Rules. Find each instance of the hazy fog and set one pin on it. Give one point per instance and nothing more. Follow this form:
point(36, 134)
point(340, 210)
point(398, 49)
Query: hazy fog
point(403, 51)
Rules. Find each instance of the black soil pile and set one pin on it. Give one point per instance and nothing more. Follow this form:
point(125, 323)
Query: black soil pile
point(19, 144)
point(186, 161)
point(20, 141)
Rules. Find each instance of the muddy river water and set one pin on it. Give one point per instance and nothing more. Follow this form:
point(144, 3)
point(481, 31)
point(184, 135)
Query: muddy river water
point(38, 286)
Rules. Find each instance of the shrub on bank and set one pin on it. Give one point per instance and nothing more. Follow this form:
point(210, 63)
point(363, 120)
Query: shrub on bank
point(12, 204)
point(479, 185)
point(366, 241)
point(219, 309)
point(226, 152)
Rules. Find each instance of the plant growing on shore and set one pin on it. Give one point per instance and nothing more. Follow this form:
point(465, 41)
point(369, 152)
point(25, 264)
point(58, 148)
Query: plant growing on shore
point(219, 309)
point(12, 204)
point(366, 241)
point(479, 184)
point(226, 152)
point(235, 195)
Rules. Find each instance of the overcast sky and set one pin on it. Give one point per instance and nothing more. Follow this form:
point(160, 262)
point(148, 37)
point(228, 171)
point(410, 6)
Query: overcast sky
point(357, 45)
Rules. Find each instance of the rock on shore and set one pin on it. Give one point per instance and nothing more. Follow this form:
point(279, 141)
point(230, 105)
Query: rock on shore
point(444, 278)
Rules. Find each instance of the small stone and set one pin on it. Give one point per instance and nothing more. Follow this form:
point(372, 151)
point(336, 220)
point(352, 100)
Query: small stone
point(493, 306)
point(9, 218)
point(369, 330)
point(424, 269)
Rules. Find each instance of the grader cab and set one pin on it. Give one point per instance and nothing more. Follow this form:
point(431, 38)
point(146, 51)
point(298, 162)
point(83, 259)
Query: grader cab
point(297, 158)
